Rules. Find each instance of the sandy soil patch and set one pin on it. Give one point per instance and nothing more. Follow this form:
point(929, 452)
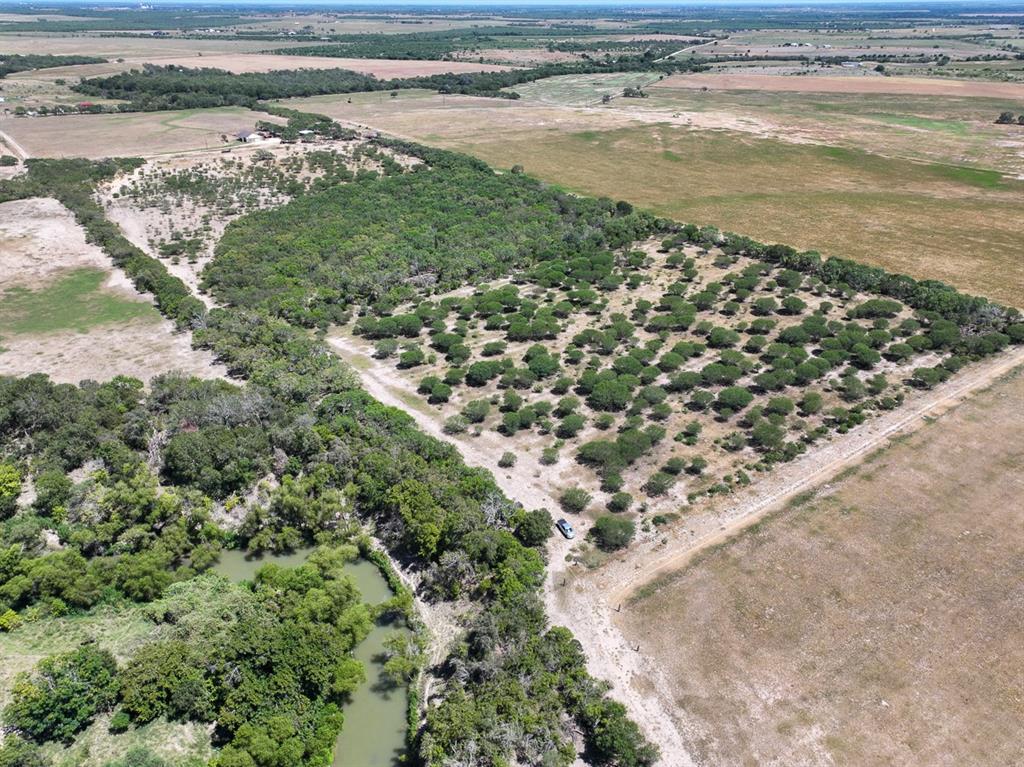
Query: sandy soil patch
point(910, 86)
point(40, 240)
point(876, 623)
point(140, 350)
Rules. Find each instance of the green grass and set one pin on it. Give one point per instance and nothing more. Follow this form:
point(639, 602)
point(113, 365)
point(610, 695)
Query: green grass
point(75, 301)
point(182, 744)
point(583, 89)
point(955, 127)
point(119, 630)
point(930, 220)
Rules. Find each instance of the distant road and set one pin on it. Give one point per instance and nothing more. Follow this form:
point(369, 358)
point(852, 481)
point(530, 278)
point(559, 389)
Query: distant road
point(17, 148)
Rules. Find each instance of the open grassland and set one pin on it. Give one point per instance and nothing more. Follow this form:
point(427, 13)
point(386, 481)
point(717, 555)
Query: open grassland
point(131, 134)
point(583, 90)
point(122, 631)
point(835, 190)
point(908, 86)
point(876, 622)
point(239, 63)
point(381, 68)
point(66, 312)
point(74, 301)
point(853, 43)
point(181, 743)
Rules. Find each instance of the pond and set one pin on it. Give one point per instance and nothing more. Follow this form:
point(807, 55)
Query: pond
point(375, 718)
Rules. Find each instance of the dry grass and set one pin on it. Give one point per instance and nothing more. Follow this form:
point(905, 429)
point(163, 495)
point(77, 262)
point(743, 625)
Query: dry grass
point(876, 623)
point(908, 86)
point(40, 245)
point(132, 134)
point(834, 186)
point(382, 68)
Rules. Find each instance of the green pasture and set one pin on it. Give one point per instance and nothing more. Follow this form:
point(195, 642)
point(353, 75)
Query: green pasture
point(75, 301)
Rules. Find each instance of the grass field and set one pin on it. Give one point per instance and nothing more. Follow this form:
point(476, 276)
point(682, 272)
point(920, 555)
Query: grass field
point(957, 222)
point(132, 134)
point(76, 301)
point(122, 631)
point(872, 623)
point(583, 90)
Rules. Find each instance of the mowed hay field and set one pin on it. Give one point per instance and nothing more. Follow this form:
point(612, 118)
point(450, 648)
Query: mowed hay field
point(846, 188)
point(877, 622)
point(143, 134)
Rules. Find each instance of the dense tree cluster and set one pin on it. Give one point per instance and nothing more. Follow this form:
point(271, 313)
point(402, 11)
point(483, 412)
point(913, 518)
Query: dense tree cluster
point(333, 451)
point(380, 240)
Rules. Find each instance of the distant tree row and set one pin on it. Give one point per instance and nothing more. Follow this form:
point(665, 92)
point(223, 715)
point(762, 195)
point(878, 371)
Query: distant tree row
point(156, 88)
point(11, 63)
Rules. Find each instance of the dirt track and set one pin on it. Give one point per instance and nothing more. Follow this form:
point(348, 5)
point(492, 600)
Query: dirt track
point(587, 602)
point(13, 145)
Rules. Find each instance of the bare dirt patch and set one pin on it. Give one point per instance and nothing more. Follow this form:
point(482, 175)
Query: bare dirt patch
point(39, 242)
point(908, 86)
point(877, 623)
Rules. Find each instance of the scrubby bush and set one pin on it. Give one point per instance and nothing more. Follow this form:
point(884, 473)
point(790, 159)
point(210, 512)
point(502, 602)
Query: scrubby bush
point(612, 533)
point(574, 499)
point(619, 502)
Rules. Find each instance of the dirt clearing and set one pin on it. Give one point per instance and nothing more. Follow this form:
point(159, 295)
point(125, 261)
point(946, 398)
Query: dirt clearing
point(873, 623)
point(41, 245)
point(908, 86)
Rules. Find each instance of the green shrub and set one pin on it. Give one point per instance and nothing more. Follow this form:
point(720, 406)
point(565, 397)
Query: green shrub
point(620, 502)
point(612, 533)
point(575, 500)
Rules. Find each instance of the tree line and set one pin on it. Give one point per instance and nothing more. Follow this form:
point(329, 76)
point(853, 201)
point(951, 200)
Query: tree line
point(11, 63)
point(157, 88)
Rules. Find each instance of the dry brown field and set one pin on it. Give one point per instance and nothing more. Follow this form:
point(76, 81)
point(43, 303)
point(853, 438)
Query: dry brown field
point(130, 134)
point(840, 183)
point(382, 68)
point(876, 621)
point(137, 48)
point(872, 84)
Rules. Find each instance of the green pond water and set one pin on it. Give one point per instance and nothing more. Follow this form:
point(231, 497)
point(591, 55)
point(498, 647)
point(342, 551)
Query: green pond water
point(375, 718)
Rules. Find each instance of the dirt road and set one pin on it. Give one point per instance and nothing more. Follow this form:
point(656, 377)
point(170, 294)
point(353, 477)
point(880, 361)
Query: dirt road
point(588, 601)
point(13, 145)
